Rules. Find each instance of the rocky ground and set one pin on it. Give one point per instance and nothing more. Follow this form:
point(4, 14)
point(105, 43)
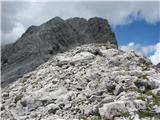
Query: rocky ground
point(89, 82)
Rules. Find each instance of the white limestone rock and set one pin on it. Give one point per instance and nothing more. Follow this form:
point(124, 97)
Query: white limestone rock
point(81, 83)
point(110, 110)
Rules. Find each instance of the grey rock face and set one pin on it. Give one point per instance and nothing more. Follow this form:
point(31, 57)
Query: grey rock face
point(80, 84)
point(39, 43)
point(158, 65)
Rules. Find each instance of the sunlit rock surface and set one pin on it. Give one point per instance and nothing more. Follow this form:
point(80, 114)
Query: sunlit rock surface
point(89, 82)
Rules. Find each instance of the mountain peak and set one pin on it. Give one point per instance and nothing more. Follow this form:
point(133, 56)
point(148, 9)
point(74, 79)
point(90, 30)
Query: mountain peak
point(39, 43)
point(72, 69)
point(55, 19)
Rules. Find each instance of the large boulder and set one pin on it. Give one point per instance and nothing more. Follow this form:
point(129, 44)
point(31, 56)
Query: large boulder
point(119, 108)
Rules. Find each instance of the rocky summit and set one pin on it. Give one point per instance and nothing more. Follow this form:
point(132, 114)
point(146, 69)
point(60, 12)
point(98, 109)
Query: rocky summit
point(72, 70)
point(88, 82)
point(39, 43)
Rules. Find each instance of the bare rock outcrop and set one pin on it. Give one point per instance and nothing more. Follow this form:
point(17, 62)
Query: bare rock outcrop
point(85, 84)
point(39, 43)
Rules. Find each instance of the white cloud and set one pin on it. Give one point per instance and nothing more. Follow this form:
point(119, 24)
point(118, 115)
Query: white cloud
point(132, 47)
point(13, 35)
point(155, 58)
point(150, 51)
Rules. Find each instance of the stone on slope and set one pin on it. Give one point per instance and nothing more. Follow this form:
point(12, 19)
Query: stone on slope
point(118, 108)
point(90, 86)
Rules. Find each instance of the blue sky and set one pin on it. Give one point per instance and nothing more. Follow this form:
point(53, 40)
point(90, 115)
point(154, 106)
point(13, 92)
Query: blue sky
point(138, 32)
point(141, 37)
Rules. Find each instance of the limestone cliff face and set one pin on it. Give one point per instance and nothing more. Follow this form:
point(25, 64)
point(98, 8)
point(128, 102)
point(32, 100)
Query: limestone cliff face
point(39, 43)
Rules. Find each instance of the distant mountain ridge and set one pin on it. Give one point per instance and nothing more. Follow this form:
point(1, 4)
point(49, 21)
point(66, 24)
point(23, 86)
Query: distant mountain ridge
point(39, 43)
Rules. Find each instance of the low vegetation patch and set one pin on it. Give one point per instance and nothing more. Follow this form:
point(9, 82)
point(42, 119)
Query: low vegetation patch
point(156, 99)
point(143, 114)
point(145, 77)
point(134, 89)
